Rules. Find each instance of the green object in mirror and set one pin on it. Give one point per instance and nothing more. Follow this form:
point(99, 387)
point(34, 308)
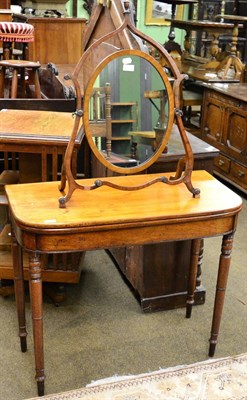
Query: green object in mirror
point(128, 111)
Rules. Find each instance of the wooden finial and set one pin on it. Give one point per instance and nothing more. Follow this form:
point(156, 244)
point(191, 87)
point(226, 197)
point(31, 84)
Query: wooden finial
point(104, 3)
point(126, 5)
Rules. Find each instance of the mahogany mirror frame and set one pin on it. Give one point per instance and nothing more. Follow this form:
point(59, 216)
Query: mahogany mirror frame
point(185, 164)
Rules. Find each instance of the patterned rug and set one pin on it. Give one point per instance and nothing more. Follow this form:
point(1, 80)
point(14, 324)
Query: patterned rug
point(221, 379)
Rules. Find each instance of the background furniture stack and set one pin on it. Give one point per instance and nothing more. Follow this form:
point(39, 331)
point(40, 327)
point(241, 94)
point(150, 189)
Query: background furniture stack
point(224, 125)
point(214, 58)
point(208, 10)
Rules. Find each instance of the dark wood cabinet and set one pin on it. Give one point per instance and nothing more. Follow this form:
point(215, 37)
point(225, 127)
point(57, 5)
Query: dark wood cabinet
point(224, 125)
point(158, 272)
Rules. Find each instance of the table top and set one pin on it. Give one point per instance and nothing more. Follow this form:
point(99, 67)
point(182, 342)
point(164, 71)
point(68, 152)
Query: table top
point(175, 146)
point(196, 71)
point(234, 18)
point(31, 126)
point(35, 206)
point(235, 90)
point(223, 27)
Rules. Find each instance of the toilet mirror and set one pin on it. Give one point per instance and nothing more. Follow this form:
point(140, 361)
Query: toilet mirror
point(128, 111)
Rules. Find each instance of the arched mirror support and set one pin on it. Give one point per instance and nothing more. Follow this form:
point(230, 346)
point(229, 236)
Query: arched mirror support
point(96, 96)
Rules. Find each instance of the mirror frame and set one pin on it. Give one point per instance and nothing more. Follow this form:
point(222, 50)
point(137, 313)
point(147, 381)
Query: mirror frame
point(184, 170)
point(86, 121)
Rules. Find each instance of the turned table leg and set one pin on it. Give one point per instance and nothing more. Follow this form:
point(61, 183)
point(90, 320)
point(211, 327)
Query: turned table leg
point(223, 271)
point(19, 291)
point(196, 247)
point(35, 285)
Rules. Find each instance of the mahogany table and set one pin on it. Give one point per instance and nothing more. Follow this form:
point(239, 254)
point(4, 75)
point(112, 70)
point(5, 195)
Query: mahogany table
point(104, 218)
point(36, 136)
point(38, 140)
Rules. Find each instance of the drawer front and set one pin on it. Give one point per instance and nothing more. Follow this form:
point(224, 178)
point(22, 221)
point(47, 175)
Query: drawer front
point(222, 163)
point(239, 174)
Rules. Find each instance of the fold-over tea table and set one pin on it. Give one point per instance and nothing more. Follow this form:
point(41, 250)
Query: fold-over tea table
point(106, 217)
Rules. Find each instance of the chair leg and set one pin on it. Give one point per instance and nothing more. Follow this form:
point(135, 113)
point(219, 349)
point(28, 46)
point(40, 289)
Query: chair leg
point(14, 84)
point(189, 113)
point(2, 81)
point(25, 51)
point(37, 85)
point(32, 84)
point(7, 50)
point(22, 83)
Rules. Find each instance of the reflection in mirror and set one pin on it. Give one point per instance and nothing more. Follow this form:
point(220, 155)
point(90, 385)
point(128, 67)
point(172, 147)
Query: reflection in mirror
point(128, 111)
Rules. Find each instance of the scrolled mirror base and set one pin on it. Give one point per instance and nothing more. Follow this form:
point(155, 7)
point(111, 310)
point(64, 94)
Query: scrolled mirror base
point(101, 182)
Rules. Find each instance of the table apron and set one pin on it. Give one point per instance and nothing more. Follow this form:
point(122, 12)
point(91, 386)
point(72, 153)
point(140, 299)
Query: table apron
point(69, 241)
point(33, 147)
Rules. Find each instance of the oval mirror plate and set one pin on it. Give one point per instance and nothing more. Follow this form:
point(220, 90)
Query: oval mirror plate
point(128, 111)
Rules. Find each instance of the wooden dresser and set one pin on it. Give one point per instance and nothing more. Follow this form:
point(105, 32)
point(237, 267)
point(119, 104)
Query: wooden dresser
point(224, 125)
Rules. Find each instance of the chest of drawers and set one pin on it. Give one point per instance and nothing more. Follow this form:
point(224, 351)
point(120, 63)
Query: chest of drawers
point(224, 125)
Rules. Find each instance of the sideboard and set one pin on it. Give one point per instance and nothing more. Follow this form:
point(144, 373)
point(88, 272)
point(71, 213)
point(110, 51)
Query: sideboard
point(224, 125)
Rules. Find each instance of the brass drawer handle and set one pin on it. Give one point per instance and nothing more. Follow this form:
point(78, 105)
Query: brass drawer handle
point(221, 162)
point(240, 173)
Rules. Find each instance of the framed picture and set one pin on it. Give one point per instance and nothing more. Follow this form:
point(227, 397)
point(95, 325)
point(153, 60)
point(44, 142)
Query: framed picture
point(158, 12)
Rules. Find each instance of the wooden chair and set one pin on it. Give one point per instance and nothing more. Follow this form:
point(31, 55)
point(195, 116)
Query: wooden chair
point(190, 96)
point(27, 71)
point(155, 136)
point(191, 102)
point(100, 118)
point(12, 32)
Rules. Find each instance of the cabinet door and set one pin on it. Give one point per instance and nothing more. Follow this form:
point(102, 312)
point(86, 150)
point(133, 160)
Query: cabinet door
point(236, 133)
point(214, 114)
